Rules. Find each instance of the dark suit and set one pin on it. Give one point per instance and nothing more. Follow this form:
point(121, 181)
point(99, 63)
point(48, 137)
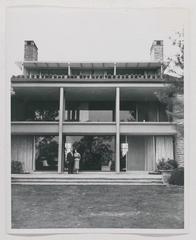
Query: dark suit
point(70, 160)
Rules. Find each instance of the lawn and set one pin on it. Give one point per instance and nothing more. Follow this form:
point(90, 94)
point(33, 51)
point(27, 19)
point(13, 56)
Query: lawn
point(65, 206)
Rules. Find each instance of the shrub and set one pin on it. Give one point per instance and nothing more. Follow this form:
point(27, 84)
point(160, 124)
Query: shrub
point(16, 167)
point(177, 177)
point(170, 164)
point(173, 163)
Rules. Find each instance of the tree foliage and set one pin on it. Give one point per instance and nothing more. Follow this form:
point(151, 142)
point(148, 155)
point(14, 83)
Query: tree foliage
point(173, 76)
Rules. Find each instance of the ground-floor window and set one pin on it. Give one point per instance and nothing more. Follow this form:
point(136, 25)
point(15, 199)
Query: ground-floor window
point(46, 153)
point(142, 153)
point(97, 152)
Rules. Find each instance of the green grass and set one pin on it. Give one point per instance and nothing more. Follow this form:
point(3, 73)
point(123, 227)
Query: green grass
point(64, 206)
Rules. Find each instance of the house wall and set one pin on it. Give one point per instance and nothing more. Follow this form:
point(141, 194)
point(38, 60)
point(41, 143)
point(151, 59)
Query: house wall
point(22, 150)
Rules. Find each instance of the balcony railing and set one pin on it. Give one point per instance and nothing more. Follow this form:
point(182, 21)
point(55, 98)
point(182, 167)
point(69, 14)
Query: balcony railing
point(140, 128)
point(91, 76)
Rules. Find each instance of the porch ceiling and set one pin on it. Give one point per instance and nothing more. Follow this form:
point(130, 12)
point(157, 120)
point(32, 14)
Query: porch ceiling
point(36, 64)
point(138, 94)
point(37, 93)
point(88, 93)
point(103, 94)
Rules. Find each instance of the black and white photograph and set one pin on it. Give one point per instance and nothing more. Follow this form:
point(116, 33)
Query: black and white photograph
point(96, 119)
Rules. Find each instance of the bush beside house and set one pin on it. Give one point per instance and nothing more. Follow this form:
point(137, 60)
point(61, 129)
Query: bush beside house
point(16, 167)
point(172, 173)
point(177, 177)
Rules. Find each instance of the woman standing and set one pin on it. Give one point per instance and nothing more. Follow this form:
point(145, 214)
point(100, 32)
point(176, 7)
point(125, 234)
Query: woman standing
point(77, 158)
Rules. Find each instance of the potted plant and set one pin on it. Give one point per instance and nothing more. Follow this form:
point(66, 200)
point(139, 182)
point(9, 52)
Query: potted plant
point(166, 167)
point(106, 161)
point(106, 158)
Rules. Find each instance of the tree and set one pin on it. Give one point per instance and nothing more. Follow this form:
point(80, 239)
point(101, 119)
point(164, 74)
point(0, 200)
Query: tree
point(173, 76)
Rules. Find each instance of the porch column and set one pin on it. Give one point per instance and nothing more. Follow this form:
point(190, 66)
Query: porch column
point(117, 130)
point(61, 110)
point(115, 69)
point(69, 69)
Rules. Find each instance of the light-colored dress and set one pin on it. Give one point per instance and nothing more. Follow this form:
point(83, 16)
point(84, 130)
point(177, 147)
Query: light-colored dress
point(77, 161)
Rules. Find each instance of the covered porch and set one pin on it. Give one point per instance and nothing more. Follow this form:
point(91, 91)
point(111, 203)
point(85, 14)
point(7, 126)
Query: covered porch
point(113, 111)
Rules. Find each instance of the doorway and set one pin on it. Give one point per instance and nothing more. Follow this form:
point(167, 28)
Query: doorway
point(97, 151)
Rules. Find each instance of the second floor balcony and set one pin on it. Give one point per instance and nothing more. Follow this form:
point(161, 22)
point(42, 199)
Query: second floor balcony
point(48, 71)
point(93, 77)
point(87, 105)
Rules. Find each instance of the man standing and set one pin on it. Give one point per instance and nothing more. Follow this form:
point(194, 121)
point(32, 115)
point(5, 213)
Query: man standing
point(70, 160)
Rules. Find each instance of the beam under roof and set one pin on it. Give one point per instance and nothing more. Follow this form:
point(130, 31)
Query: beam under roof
point(36, 64)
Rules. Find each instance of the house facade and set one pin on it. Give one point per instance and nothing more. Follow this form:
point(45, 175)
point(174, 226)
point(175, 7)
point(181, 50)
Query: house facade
point(108, 111)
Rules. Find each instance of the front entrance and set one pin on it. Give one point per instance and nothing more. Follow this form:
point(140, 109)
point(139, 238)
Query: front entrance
point(97, 152)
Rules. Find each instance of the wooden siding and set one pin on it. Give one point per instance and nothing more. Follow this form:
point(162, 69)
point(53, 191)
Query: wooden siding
point(22, 150)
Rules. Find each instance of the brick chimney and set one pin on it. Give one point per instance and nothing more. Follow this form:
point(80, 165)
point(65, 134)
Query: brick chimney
point(156, 51)
point(30, 51)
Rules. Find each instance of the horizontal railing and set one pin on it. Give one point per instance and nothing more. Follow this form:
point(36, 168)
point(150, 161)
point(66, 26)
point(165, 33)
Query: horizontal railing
point(132, 128)
point(89, 76)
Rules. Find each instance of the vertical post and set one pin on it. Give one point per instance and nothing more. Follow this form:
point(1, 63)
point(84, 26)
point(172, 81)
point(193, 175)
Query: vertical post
point(158, 113)
point(154, 154)
point(33, 167)
point(127, 152)
point(161, 73)
point(114, 69)
point(136, 114)
point(61, 110)
point(69, 69)
point(117, 130)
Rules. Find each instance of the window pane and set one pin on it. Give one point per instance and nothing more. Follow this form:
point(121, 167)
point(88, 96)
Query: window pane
point(42, 111)
point(46, 153)
point(147, 111)
point(94, 111)
point(163, 117)
point(34, 110)
point(97, 152)
point(127, 112)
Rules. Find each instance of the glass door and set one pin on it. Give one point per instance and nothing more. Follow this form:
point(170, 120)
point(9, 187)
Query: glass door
point(97, 152)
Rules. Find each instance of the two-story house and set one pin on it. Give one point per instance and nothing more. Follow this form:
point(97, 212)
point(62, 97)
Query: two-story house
point(109, 111)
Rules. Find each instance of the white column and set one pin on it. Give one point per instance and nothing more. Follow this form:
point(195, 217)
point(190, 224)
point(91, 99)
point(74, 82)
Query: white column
point(61, 111)
point(115, 69)
point(69, 69)
point(117, 130)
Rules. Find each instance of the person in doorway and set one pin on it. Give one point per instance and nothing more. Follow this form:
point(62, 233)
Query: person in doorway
point(77, 158)
point(70, 161)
